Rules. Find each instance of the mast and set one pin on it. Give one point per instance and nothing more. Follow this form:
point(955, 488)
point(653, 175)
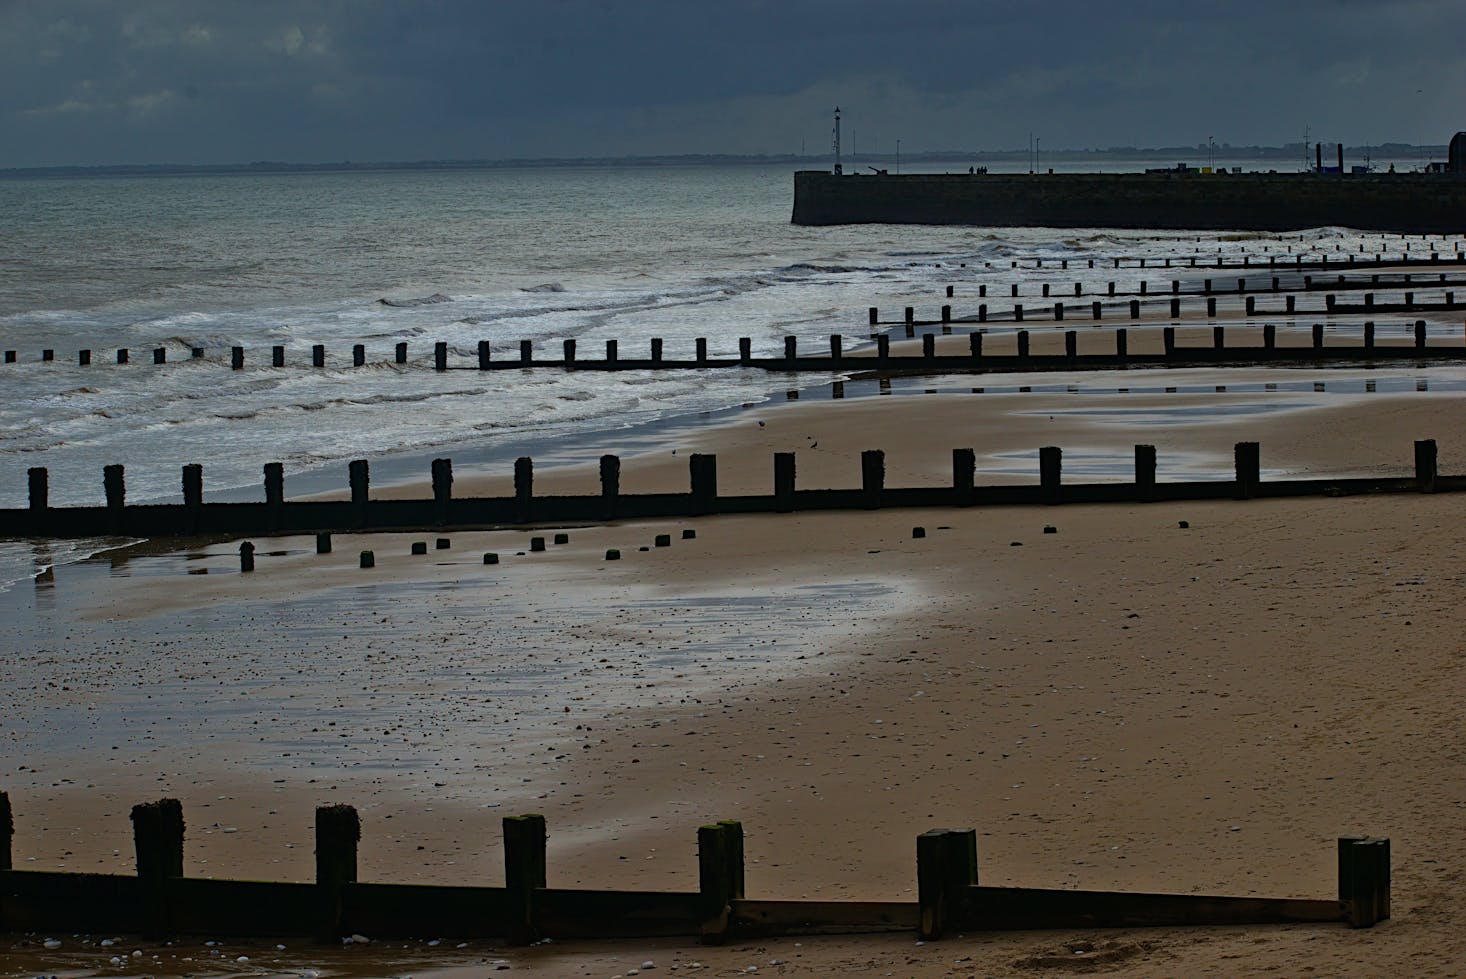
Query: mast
point(836, 142)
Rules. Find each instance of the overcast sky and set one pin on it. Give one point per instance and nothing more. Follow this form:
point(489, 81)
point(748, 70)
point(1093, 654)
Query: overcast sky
point(222, 81)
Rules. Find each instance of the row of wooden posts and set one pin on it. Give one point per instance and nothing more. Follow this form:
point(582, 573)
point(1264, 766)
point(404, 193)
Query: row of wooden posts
point(1295, 261)
point(975, 359)
point(1210, 287)
point(361, 513)
point(161, 901)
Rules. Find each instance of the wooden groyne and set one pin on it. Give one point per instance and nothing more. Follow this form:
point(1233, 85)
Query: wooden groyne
point(160, 901)
point(361, 513)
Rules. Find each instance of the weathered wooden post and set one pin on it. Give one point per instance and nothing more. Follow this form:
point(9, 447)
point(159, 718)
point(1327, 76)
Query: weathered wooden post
point(835, 347)
point(318, 355)
point(157, 836)
point(610, 485)
point(910, 316)
point(1135, 309)
point(719, 876)
point(338, 831)
point(872, 476)
point(947, 310)
point(524, 488)
point(1122, 343)
point(700, 351)
point(974, 346)
point(246, 557)
point(1425, 465)
point(568, 346)
point(399, 352)
point(946, 864)
point(1290, 304)
point(1018, 312)
point(949, 292)
point(1175, 309)
point(1219, 337)
point(1364, 879)
point(160, 355)
point(874, 316)
point(1318, 336)
point(703, 473)
point(1096, 310)
point(114, 487)
point(1211, 308)
point(193, 495)
point(928, 346)
point(1247, 459)
point(1269, 336)
point(84, 358)
point(1251, 305)
point(1145, 473)
point(526, 353)
point(1046, 290)
point(7, 835)
point(1419, 334)
point(790, 351)
point(784, 476)
point(323, 542)
point(360, 476)
point(368, 559)
point(122, 355)
point(1369, 334)
point(440, 356)
point(745, 351)
point(525, 871)
point(1058, 312)
point(274, 492)
point(1168, 341)
point(485, 355)
point(982, 291)
point(982, 312)
point(1023, 343)
point(883, 349)
point(1071, 344)
point(1110, 287)
point(1050, 469)
point(236, 358)
point(38, 482)
point(277, 356)
point(964, 467)
point(442, 470)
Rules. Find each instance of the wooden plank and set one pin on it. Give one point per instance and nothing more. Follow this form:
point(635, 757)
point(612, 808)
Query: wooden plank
point(427, 911)
point(768, 918)
point(618, 914)
point(32, 900)
point(241, 907)
point(1019, 908)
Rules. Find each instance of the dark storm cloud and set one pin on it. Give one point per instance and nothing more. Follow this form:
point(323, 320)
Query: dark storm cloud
point(83, 81)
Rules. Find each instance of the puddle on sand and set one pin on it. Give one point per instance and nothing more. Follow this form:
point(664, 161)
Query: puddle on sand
point(478, 686)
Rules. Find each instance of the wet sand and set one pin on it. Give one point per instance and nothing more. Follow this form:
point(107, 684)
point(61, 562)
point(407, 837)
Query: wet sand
point(1122, 703)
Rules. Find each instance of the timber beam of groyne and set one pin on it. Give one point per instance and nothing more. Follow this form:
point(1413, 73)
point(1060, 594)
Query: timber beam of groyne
point(161, 901)
point(362, 514)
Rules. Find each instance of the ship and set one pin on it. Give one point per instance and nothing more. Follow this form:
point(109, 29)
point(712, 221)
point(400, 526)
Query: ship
point(1183, 198)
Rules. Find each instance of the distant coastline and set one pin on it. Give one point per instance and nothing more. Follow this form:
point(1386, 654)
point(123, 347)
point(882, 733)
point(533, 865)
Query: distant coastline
point(1291, 152)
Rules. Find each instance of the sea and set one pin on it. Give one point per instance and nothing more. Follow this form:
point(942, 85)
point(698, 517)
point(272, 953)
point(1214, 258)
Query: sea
point(378, 257)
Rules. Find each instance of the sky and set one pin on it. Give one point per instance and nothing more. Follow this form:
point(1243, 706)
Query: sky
point(95, 82)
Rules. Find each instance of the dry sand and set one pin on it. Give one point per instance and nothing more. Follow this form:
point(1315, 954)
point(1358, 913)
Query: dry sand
point(1122, 703)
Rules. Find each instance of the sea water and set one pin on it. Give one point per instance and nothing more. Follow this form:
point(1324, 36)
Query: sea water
point(500, 254)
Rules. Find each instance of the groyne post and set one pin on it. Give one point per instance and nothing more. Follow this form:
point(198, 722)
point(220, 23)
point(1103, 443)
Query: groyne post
point(1425, 465)
point(1058, 312)
point(1071, 344)
point(874, 316)
point(745, 351)
point(700, 351)
point(323, 542)
point(7, 835)
point(872, 476)
point(38, 488)
point(160, 355)
point(883, 349)
point(485, 355)
point(964, 469)
point(1023, 343)
point(360, 476)
point(246, 557)
point(610, 351)
point(440, 356)
point(1175, 309)
point(525, 871)
point(1050, 468)
point(193, 495)
point(1420, 334)
point(1269, 336)
point(274, 491)
point(318, 355)
point(1018, 312)
point(114, 487)
point(1135, 309)
point(358, 355)
point(1145, 473)
point(947, 312)
point(1251, 305)
point(1247, 461)
point(790, 344)
point(784, 476)
point(526, 353)
point(1318, 336)
point(1168, 340)
point(122, 355)
point(719, 877)
point(1219, 337)
point(610, 485)
point(928, 346)
point(1369, 335)
point(910, 316)
point(442, 489)
point(974, 346)
point(157, 837)
point(277, 356)
point(946, 863)
point(1211, 307)
point(1364, 879)
point(524, 488)
point(703, 473)
point(236, 358)
point(1095, 309)
point(835, 347)
point(338, 831)
point(400, 352)
point(568, 346)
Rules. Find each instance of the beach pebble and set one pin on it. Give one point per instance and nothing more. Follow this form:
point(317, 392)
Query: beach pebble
point(647, 965)
point(1051, 530)
point(357, 940)
point(242, 958)
point(52, 943)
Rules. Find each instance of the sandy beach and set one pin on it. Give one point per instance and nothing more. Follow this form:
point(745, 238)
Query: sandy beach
point(1120, 704)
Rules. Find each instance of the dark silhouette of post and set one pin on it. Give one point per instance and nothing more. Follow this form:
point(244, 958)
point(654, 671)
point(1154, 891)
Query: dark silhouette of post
point(360, 475)
point(157, 835)
point(946, 863)
point(784, 476)
point(610, 485)
point(442, 490)
point(39, 489)
point(524, 488)
point(872, 476)
point(525, 872)
point(338, 831)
